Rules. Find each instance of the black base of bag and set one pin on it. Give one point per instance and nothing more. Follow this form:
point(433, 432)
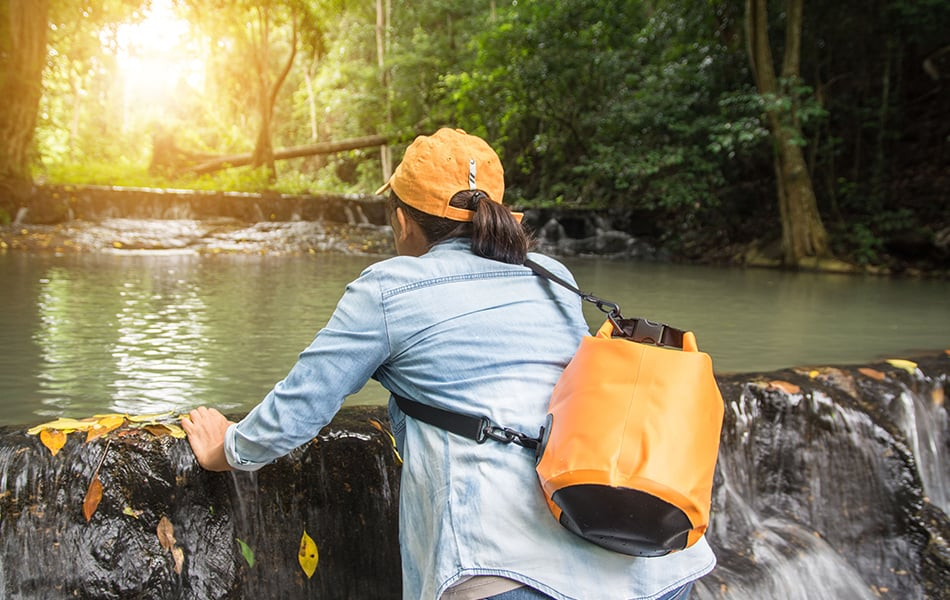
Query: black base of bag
point(622, 519)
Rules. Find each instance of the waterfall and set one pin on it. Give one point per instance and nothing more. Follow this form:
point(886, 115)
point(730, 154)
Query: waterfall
point(821, 478)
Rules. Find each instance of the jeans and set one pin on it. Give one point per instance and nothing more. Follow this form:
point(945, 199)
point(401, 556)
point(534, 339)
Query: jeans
point(526, 593)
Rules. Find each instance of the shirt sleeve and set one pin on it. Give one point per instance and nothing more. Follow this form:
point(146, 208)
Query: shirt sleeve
point(339, 361)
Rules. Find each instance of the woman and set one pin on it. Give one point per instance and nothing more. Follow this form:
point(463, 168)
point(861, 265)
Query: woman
point(455, 321)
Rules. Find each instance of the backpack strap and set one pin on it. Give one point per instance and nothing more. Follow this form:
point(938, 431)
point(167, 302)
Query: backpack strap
point(611, 308)
point(475, 428)
point(637, 329)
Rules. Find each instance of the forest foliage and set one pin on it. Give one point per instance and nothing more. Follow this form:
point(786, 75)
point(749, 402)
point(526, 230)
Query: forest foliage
point(646, 110)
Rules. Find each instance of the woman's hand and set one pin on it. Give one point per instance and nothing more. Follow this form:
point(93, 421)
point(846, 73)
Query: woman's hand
point(205, 428)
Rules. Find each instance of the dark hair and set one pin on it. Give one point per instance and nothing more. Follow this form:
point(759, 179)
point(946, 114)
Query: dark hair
point(495, 232)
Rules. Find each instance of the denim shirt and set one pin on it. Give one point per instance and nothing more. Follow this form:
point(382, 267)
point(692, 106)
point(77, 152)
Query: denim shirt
point(473, 335)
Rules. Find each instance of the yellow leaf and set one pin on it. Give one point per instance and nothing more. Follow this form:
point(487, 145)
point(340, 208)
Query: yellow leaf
point(174, 430)
point(53, 439)
point(308, 556)
point(166, 533)
point(178, 555)
point(116, 244)
point(104, 425)
point(93, 496)
point(64, 425)
point(160, 429)
point(128, 510)
point(908, 365)
point(814, 373)
point(936, 395)
point(380, 427)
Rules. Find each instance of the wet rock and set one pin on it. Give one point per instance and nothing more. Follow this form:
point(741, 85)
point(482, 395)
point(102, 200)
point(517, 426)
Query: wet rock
point(831, 483)
point(819, 488)
point(342, 489)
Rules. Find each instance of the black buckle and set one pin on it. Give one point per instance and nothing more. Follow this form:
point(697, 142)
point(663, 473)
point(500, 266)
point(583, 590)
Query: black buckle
point(648, 332)
point(643, 331)
point(505, 435)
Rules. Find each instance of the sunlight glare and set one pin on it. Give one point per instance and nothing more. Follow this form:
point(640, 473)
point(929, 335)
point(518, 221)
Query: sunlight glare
point(158, 61)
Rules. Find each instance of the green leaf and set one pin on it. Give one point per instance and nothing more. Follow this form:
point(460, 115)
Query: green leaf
point(246, 552)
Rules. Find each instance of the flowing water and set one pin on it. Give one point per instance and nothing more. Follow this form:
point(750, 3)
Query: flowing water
point(139, 332)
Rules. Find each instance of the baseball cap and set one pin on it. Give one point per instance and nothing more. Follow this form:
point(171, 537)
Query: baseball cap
point(436, 167)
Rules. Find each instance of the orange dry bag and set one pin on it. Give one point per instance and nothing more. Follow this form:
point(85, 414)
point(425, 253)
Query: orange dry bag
point(627, 456)
point(629, 452)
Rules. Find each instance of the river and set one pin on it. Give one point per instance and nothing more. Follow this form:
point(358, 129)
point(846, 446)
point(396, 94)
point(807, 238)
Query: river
point(141, 332)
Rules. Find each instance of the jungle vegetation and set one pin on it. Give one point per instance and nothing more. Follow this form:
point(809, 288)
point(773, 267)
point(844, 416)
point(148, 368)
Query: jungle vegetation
point(708, 126)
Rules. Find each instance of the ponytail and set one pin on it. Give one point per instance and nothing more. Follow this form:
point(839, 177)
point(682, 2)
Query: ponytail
point(495, 232)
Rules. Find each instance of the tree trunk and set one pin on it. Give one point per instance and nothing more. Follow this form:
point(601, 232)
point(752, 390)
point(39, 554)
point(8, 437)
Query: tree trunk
point(803, 233)
point(23, 26)
point(267, 93)
point(382, 39)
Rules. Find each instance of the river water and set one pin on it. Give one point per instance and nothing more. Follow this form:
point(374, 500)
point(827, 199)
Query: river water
point(142, 332)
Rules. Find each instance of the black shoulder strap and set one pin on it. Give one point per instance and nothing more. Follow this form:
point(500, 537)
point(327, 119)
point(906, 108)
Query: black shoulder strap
point(604, 305)
point(637, 329)
point(469, 426)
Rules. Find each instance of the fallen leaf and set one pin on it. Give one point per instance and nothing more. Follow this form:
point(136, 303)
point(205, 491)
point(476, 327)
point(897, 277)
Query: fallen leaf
point(128, 510)
point(908, 365)
point(380, 427)
point(814, 373)
point(246, 552)
point(166, 533)
point(785, 386)
point(162, 429)
point(872, 373)
point(308, 556)
point(178, 555)
point(53, 439)
point(104, 425)
point(64, 425)
point(93, 496)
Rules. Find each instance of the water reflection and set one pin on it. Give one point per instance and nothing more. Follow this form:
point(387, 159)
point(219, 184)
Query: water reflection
point(136, 339)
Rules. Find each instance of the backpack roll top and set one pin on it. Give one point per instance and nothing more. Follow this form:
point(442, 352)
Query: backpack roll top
point(629, 453)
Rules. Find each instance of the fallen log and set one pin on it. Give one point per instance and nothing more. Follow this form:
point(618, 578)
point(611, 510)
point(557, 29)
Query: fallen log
point(240, 160)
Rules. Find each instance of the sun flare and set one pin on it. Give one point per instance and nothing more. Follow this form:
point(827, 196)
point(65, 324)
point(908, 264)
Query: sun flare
point(158, 59)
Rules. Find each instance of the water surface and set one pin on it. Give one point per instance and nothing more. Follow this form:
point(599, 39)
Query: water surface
point(149, 332)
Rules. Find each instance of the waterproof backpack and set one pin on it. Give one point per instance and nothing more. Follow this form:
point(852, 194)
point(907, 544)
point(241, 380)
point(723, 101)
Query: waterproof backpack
point(628, 452)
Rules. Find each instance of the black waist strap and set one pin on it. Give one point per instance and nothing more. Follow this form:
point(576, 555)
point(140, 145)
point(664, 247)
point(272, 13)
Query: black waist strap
point(469, 426)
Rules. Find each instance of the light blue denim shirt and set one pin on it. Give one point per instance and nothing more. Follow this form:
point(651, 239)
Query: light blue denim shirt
point(478, 336)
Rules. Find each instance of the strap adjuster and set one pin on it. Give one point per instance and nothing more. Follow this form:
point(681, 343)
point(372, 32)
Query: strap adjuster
point(646, 331)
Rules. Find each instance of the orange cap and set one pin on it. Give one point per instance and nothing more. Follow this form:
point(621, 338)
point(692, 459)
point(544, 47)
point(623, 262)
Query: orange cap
point(436, 167)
